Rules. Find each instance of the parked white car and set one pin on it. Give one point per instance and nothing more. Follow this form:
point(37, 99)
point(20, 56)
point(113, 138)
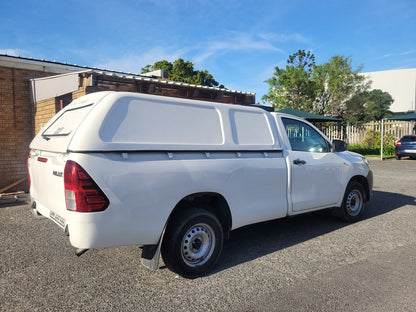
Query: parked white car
point(177, 175)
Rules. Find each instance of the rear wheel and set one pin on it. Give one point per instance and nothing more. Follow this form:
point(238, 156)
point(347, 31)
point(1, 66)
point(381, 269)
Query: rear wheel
point(192, 243)
point(398, 157)
point(354, 202)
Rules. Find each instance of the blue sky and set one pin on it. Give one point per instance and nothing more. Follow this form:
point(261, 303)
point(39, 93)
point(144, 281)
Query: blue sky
point(238, 42)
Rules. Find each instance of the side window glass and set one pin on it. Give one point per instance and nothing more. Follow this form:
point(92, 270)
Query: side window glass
point(304, 138)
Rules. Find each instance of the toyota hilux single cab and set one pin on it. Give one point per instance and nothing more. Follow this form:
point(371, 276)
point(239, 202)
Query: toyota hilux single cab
point(175, 176)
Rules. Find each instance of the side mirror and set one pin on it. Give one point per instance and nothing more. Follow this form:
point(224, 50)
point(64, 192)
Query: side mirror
point(339, 146)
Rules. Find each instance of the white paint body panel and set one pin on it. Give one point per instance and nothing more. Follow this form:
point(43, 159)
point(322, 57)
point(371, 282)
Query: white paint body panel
point(147, 153)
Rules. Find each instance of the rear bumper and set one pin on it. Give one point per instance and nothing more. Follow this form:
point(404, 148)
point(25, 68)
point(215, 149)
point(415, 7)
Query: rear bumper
point(412, 154)
point(40, 211)
point(405, 151)
point(96, 229)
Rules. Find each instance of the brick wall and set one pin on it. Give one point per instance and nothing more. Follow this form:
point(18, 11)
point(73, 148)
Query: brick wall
point(16, 129)
point(43, 111)
point(46, 109)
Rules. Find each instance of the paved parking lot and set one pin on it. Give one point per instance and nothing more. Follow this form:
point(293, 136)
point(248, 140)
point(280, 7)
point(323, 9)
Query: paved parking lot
point(311, 262)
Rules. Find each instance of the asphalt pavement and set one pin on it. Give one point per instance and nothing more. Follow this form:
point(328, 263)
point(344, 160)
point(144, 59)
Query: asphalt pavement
point(312, 262)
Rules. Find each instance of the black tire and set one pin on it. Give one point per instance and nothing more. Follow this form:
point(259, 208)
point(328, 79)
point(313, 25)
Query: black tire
point(354, 202)
point(192, 243)
point(398, 157)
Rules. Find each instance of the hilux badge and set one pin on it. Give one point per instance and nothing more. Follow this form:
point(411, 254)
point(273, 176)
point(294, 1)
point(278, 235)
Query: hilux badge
point(57, 173)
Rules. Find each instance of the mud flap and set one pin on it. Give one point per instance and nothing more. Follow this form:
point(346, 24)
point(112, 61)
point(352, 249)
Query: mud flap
point(34, 212)
point(151, 255)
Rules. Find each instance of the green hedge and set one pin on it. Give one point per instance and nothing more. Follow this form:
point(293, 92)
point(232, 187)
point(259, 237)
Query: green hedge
point(387, 150)
point(364, 150)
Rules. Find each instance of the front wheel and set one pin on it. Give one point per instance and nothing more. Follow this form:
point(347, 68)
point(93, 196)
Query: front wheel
point(354, 202)
point(192, 243)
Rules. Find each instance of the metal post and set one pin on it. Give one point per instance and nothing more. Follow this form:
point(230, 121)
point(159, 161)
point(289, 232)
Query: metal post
point(347, 139)
point(382, 139)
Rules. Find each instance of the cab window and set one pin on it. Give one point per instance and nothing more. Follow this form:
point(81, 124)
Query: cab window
point(304, 138)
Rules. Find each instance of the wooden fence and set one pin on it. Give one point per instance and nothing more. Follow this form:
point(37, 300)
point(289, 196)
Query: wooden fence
point(357, 134)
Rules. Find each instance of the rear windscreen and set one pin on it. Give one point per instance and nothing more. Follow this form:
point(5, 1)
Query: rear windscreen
point(67, 122)
point(409, 138)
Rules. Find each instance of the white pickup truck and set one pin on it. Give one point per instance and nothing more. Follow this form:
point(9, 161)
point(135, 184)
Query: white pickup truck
point(176, 176)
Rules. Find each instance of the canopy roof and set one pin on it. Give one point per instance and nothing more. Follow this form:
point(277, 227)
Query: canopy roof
point(306, 115)
point(411, 116)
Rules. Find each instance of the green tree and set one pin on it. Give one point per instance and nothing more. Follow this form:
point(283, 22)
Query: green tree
point(355, 109)
point(368, 105)
point(378, 104)
point(336, 83)
point(164, 65)
point(183, 71)
point(293, 86)
point(322, 89)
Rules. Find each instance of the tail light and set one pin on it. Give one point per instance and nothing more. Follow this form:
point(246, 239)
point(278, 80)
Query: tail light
point(43, 159)
point(28, 174)
point(82, 194)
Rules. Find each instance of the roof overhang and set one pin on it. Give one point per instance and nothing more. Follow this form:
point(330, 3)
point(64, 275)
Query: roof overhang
point(308, 116)
point(38, 65)
point(410, 116)
point(53, 86)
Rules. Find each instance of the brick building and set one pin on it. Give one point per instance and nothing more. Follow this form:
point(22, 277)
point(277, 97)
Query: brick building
point(32, 91)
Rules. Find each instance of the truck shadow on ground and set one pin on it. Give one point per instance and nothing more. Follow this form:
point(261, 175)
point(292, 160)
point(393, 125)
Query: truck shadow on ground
point(254, 241)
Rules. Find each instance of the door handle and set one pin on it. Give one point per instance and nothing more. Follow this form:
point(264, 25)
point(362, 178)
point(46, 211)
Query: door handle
point(299, 162)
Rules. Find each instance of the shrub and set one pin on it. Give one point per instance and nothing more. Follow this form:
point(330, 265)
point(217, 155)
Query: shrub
point(372, 139)
point(372, 144)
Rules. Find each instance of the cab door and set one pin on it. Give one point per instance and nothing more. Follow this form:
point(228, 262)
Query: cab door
point(315, 175)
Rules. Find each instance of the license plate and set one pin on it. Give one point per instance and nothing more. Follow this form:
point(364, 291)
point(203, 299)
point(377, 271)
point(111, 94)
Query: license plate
point(410, 151)
point(57, 218)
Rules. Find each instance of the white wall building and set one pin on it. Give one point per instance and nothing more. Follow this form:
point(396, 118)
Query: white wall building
point(400, 83)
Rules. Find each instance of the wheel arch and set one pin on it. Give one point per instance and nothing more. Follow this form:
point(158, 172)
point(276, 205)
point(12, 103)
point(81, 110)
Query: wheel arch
point(210, 201)
point(364, 182)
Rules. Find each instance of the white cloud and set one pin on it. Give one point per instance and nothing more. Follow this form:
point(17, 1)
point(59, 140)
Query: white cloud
point(296, 37)
point(236, 42)
point(11, 52)
point(199, 53)
point(134, 62)
point(408, 52)
point(230, 42)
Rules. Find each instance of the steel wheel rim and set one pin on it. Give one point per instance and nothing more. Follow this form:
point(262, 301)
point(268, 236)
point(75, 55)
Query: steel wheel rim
point(198, 244)
point(354, 203)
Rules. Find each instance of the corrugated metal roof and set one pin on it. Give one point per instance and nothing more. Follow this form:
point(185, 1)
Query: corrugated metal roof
point(65, 67)
point(410, 116)
point(160, 80)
